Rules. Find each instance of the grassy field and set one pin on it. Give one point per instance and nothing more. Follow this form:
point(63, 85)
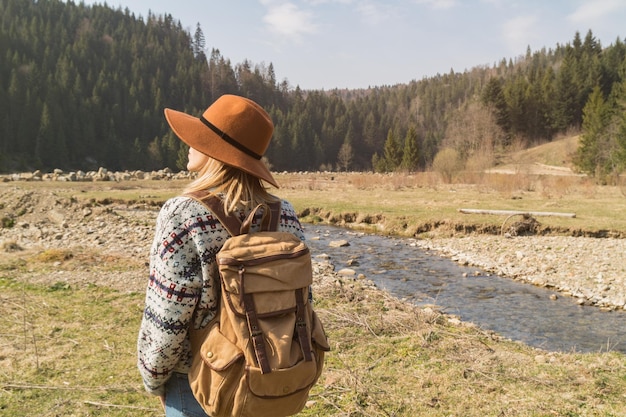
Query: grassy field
point(69, 350)
point(412, 205)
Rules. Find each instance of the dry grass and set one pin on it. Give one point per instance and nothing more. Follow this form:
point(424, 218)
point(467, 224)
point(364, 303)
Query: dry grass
point(417, 204)
point(67, 347)
point(558, 152)
point(69, 350)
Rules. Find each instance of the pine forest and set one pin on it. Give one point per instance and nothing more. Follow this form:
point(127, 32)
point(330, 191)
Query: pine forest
point(83, 87)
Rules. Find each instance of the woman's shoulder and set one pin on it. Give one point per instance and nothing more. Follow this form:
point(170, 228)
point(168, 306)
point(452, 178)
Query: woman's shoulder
point(187, 206)
point(183, 206)
point(284, 204)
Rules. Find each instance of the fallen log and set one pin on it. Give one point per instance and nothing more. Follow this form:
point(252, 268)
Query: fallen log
point(516, 212)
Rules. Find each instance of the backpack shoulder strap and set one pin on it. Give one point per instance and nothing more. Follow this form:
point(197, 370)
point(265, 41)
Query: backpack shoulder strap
point(232, 223)
point(275, 213)
point(270, 219)
point(214, 204)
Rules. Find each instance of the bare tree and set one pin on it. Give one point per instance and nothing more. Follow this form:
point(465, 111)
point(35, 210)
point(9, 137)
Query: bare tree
point(474, 133)
point(344, 157)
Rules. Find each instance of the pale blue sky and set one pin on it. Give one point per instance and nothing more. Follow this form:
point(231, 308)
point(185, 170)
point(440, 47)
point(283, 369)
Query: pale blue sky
point(326, 44)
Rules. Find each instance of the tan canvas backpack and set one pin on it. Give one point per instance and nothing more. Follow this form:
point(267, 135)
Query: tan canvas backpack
point(265, 349)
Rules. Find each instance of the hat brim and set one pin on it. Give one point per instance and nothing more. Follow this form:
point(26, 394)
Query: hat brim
point(196, 134)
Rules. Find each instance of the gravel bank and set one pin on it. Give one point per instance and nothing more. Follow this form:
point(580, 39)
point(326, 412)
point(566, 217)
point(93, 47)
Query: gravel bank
point(590, 269)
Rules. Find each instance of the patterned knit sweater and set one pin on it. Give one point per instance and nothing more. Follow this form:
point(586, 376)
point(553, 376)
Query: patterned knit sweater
point(182, 281)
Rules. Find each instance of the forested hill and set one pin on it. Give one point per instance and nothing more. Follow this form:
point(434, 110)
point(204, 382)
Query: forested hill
point(85, 86)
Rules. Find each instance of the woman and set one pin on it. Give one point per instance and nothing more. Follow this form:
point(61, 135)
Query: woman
point(226, 146)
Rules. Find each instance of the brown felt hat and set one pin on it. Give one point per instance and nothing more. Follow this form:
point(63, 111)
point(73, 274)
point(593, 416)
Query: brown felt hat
point(234, 130)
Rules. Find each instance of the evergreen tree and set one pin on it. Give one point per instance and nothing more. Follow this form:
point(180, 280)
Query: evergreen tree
point(595, 119)
point(617, 128)
point(199, 43)
point(565, 95)
point(410, 154)
point(392, 153)
point(493, 97)
point(378, 163)
point(182, 158)
point(516, 97)
point(621, 145)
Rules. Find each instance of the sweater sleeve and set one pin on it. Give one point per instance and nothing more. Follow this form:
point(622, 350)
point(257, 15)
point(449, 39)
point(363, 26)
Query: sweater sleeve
point(174, 288)
point(289, 221)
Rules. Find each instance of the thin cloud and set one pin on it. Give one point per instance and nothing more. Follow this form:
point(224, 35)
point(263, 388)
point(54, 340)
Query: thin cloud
point(595, 10)
point(438, 4)
point(319, 2)
point(287, 19)
point(496, 3)
point(518, 31)
point(373, 13)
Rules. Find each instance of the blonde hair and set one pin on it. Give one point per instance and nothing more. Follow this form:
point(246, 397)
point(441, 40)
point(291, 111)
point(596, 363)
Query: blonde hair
point(236, 188)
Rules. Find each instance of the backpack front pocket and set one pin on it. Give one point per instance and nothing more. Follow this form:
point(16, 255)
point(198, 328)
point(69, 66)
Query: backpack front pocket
point(216, 371)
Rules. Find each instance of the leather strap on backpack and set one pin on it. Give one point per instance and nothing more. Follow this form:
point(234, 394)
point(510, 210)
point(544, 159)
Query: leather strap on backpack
point(232, 223)
point(269, 221)
point(256, 334)
point(301, 327)
point(213, 203)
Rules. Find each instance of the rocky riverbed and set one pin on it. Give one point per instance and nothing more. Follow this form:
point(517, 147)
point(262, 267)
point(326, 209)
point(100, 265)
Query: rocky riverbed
point(591, 269)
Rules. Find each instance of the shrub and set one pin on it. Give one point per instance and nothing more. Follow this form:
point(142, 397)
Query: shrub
point(447, 164)
point(8, 222)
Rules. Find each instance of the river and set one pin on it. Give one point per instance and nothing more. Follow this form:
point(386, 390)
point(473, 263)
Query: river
point(513, 309)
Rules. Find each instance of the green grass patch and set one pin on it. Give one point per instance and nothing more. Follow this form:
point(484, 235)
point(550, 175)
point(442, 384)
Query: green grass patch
point(70, 351)
point(7, 222)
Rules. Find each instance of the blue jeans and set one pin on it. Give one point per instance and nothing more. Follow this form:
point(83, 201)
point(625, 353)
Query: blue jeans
point(179, 400)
